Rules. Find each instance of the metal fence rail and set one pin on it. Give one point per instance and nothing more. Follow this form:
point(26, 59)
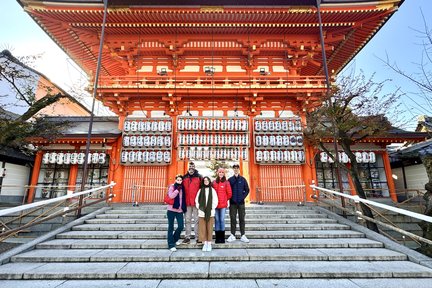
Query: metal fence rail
point(55, 207)
point(326, 196)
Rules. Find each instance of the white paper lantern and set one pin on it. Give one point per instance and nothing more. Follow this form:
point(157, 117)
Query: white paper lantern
point(237, 125)
point(294, 156)
point(299, 140)
point(124, 156)
point(182, 154)
point(154, 126)
point(244, 125)
point(266, 155)
point(359, 157)
point(264, 125)
point(224, 124)
point(146, 141)
point(167, 141)
point(279, 156)
point(126, 141)
point(285, 125)
point(95, 157)
point(298, 126)
point(159, 156)
point(126, 126)
point(132, 157)
point(80, 158)
point(139, 156)
point(145, 156)
point(372, 157)
point(257, 125)
point(147, 126)
point(365, 157)
point(52, 158)
point(152, 156)
point(132, 141)
point(323, 157)
point(74, 158)
point(133, 126)
point(141, 126)
point(67, 158)
point(291, 126)
point(45, 158)
point(293, 140)
point(140, 141)
point(161, 126)
point(279, 141)
point(286, 156)
point(301, 156)
point(60, 158)
point(167, 157)
point(265, 140)
point(181, 124)
point(102, 158)
point(168, 126)
point(259, 156)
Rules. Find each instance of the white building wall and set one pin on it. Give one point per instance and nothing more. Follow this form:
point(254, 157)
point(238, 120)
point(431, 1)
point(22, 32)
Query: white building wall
point(16, 177)
point(415, 175)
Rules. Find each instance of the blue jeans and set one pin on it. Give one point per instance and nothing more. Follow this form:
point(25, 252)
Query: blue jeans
point(220, 219)
point(174, 236)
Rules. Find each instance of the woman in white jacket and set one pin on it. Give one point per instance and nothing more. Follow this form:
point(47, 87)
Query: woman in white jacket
point(206, 202)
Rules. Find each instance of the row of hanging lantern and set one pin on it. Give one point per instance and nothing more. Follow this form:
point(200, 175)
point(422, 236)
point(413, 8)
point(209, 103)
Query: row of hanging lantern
point(146, 157)
point(278, 140)
point(213, 139)
point(146, 141)
point(212, 124)
point(147, 125)
point(209, 153)
point(280, 156)
point(291, 125)
point(73, 158)
point(361, 157)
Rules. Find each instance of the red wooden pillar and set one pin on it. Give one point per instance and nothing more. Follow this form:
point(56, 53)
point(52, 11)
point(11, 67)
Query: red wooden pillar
point(73, 174)
point(389, 176)
point(35, 176)
point(116, 168)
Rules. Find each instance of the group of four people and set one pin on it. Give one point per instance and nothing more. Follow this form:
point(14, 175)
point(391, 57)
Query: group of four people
point(204, 203)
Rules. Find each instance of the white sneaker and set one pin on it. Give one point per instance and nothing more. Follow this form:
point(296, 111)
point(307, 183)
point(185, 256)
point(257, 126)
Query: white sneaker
point(179, 242)
point(173, 249)
point(244, 239)
point(209, 247)
point(231, 238)
point(204, 249)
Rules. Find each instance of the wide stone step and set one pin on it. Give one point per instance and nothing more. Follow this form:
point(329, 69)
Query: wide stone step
point(217, 283)
point(255, 244)
point(214, 270)
point(227, 221)
point(252, 235)
point(249, 227)
point(256, 216)
point(248, 211)
point(148, 255)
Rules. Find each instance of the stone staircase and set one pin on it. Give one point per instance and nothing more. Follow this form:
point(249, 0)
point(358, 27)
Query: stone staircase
point(289, 246)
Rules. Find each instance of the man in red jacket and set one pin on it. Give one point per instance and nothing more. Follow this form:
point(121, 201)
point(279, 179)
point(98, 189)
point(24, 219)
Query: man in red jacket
point(191, 183)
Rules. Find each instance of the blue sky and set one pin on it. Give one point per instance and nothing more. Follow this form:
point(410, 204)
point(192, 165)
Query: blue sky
point(397, 39)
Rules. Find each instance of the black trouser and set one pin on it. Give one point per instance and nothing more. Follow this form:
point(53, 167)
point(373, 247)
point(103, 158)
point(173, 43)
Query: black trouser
point(240, 209)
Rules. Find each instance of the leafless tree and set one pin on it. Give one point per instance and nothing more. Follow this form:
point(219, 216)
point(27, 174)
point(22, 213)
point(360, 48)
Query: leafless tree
point(351, 111)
